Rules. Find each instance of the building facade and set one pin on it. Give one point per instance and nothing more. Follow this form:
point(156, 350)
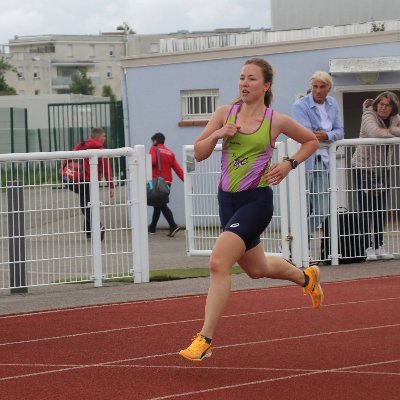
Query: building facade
point(45, 64)
point(294, 14)
point(179, 91)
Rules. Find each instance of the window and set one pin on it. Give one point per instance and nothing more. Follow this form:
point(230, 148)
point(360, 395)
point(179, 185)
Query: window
point(92, 51)
point(37, 91)
point(20, 72)
point(199, 104)
point(109, 72)
point(70, 50)
point(36, 74)
point(112, 51)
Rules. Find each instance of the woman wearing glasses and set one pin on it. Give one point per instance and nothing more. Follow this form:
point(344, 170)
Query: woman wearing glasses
point(380, 119)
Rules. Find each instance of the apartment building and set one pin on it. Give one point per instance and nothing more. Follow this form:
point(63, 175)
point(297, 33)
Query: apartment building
point(46, 63)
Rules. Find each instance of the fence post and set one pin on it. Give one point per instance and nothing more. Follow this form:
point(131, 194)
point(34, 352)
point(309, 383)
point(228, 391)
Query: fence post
point(333, 204)
point(94, 205)
point(295, 209)
point(138, 215)
point(284, 211)
point(304, 191)
point(16, 234)
point(189, 166)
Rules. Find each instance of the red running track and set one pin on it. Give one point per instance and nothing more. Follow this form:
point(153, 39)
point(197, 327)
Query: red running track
point(270, 344)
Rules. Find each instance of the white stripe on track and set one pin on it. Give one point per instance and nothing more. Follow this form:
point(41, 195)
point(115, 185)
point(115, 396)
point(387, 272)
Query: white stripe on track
point(113, 330)
point(263, 381)
point(194, 296)
point(216, 347)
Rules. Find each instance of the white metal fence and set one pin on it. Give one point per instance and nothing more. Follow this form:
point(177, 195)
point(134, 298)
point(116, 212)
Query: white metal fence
point(43, 238)
point(201, 206)
point(290, 232)
point(360, 215)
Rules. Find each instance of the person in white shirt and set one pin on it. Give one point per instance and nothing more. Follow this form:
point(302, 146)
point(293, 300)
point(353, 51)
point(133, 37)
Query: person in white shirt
point(320, 113)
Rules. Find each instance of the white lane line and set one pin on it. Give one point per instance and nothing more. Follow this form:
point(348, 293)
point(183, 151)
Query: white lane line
point(156, 366)
point(216, 347)
point(263, 381)
point(113, 330)
point(177, 298)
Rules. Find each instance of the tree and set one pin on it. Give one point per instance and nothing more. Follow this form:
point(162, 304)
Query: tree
point(5, 90)
point(81, 83)
point(108, 92)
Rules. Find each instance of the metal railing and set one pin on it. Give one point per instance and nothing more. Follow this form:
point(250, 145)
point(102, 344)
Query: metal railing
point(201, 208)
point(43, 238)
point(348, 227)
point(290, 232)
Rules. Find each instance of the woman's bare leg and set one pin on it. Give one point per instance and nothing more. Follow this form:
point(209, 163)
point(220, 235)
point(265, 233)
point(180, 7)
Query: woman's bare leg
point(257, 265)
point(227, 250)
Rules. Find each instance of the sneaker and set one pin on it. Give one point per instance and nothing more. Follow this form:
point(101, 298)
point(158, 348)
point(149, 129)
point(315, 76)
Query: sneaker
point(174, 231)
point(151, 231)
point(198, 350)
point(383, 254)
point(371, 254)
point(314, 288)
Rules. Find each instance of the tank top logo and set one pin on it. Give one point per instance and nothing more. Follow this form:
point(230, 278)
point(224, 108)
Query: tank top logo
point(238, 162)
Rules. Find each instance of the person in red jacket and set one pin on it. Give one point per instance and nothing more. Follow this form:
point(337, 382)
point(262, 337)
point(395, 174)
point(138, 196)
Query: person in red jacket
point(168, 163)
point(96, 141)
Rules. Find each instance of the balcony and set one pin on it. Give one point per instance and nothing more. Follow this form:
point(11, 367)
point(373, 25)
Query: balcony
point(63, 82)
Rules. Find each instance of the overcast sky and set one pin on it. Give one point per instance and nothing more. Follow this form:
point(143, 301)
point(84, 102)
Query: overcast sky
point(41, 17)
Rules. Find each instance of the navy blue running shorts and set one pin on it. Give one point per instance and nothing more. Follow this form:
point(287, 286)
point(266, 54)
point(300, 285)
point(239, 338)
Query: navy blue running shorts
point(247, 213)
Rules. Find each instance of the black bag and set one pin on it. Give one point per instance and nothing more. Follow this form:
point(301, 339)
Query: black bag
point(158, 189)
point(352, 238)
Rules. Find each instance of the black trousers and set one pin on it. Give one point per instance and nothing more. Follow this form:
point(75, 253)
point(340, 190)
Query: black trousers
point(372, 202)
point(166, 211)
point(84, 199)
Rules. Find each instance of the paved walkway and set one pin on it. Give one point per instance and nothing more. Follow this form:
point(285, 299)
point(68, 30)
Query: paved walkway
point(165, 253)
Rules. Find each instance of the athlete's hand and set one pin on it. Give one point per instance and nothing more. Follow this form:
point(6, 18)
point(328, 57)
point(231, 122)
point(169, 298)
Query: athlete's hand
point(227, 130)
point(278, 172)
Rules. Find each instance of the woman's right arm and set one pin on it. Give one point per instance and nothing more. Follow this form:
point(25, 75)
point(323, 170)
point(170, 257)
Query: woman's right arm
point(214, 130)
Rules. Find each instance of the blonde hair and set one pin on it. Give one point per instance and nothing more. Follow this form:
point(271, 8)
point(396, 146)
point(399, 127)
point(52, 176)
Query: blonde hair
point(321, 76)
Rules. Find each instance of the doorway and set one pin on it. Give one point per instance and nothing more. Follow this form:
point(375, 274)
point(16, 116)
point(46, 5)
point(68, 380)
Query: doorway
point(352, 110)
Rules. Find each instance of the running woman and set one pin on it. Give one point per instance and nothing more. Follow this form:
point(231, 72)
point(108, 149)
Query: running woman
point(249, 129)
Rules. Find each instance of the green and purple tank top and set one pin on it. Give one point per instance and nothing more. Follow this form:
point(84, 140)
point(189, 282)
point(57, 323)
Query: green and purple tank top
point(246, 157)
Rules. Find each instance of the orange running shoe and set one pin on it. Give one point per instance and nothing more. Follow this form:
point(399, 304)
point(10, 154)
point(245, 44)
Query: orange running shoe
point(314, 288)
point(198, 350)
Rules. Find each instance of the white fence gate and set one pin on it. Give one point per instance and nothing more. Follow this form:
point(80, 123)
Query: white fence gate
point(201, 207)
point(43, 239)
